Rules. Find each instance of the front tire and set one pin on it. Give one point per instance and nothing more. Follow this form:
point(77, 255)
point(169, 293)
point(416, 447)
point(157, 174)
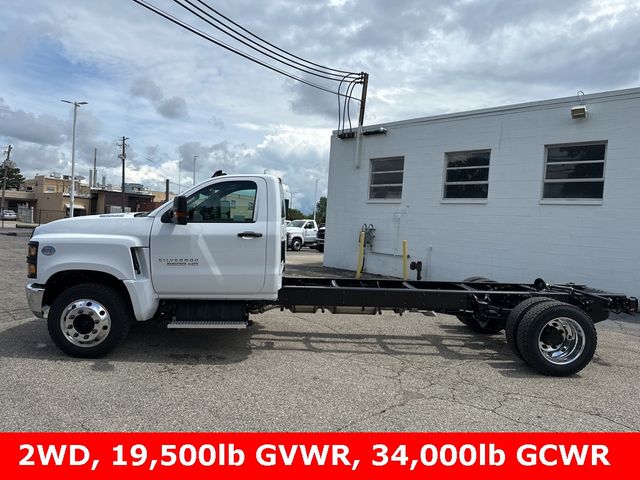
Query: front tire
point(296, 244)
point(88, 320)
point(557, 339)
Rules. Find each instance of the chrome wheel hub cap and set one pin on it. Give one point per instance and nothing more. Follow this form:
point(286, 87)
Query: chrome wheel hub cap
point(85, 323)
point(561, 340)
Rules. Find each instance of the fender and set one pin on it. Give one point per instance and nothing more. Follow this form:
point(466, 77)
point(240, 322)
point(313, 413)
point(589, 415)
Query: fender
point(109, 254)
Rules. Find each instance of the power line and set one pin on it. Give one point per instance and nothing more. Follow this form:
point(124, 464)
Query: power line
point(211, 39)
point(271, 44)
point(323, 73)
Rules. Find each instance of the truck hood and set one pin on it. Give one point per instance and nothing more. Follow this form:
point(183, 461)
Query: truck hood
point(137, 229)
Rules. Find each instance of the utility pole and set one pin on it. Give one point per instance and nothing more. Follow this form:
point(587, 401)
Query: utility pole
point(6, 164)
point(123, 156)
point(194, 169)
point(166, 190)
point(363, 98)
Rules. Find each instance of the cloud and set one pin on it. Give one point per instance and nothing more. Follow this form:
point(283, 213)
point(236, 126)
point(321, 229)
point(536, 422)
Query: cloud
point(311, 101)
point(146, 88)
point(40, 129)
point(217, 122)
point(172, 108)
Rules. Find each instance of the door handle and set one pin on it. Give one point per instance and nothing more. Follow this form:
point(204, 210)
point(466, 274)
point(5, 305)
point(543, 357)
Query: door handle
point(249, 235)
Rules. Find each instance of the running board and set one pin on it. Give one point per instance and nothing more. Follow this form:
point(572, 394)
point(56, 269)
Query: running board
point(209, 324)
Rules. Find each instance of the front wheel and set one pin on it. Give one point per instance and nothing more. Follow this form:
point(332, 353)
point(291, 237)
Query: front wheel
point(296, 244)
point(557, 339)
point(88, 320)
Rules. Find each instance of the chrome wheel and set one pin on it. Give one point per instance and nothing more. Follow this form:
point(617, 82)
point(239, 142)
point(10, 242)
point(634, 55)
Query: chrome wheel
point(85, 323)
point(561, 340)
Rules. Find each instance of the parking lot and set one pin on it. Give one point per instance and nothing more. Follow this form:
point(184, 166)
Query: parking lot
point(303, 372)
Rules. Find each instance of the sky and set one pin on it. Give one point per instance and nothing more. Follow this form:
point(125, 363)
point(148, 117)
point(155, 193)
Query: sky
point(176, 95)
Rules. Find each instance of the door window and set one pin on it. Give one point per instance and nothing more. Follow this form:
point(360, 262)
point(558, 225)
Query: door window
point(223, 202)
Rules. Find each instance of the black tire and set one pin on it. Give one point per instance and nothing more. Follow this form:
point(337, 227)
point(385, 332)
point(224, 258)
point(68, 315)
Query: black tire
point(88, 320)
point(557, 339)
point(490, 327)
point(516, 316)
point(296, 244)
point(320, 248)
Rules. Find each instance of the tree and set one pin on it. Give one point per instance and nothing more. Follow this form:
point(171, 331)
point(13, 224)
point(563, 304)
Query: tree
point(14, 177)
point(295, 214)
point(321, 210)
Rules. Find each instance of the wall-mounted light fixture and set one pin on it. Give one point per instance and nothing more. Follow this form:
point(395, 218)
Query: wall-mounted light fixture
point(375, 131)
point(579, 111)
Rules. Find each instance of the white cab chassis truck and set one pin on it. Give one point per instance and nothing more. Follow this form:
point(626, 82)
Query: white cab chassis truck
point(216, 255)
point(302, 233)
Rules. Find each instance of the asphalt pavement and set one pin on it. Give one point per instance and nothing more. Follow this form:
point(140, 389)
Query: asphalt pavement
point(304, 372)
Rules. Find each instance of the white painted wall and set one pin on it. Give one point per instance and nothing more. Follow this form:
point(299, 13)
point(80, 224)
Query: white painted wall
point(514, 236)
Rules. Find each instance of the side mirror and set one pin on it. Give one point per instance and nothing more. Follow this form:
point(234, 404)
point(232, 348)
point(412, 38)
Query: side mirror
point(180, 213)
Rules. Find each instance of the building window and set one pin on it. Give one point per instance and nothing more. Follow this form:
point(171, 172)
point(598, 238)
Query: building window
point(467, 174)
point(574, 171)
point(386, 178)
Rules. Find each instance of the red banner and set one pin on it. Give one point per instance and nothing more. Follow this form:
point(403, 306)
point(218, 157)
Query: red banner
point(509, 456)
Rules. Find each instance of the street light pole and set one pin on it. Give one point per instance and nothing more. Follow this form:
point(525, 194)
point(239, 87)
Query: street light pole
point(72, 192)
point(6, 164)
point(315, 201)
point(194, 169)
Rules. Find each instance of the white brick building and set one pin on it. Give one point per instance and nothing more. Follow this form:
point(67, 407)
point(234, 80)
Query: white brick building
point(511, 193)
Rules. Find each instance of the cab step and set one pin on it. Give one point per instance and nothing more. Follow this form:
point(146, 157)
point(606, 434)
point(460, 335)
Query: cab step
point(209, 324)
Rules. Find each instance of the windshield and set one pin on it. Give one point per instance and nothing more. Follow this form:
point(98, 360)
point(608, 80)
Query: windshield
point(297, 223)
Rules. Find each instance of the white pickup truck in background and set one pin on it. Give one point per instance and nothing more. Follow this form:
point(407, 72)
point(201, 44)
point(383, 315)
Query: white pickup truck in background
point(302, 233)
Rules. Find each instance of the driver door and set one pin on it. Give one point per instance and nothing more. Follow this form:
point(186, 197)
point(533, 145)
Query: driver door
point(221, 251)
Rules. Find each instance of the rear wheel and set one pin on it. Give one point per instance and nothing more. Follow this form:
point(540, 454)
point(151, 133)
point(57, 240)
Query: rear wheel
point(557, 339)
point(475, 321)
point(320, 248)
point(516, 316)
point(88, 320)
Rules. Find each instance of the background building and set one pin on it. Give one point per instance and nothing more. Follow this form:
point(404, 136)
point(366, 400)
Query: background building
point(49, 197)
point(511, 193)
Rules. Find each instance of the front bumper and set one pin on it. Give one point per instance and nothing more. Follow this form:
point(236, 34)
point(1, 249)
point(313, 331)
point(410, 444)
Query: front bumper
point(35, 294)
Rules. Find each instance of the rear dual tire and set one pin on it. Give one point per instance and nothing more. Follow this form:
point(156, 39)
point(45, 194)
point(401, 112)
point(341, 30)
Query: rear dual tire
point(554, 338)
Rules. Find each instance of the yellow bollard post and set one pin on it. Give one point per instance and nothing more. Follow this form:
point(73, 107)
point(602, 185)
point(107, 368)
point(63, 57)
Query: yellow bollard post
point(405, 272)
point(360, 255)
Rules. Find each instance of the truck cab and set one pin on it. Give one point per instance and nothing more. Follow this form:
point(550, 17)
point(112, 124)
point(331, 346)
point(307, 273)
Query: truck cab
point(221, 245)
